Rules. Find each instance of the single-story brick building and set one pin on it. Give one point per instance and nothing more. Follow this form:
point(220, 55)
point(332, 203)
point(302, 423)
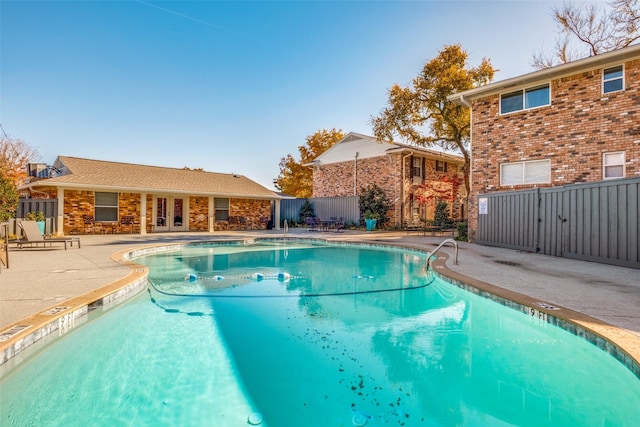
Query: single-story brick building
point(101, 196)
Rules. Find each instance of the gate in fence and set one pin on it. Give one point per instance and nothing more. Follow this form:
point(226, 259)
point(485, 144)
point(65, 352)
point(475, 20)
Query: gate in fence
point(593, 221)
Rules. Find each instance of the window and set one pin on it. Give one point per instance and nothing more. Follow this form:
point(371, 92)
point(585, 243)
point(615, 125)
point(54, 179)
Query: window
point(613, 165)
point(530, 172)
point(106, 207)
point(222, 209)
point(416, 167)
point(612, 79)
point(525, 99)
point(441, 166)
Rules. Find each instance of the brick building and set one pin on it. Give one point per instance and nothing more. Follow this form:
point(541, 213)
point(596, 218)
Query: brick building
point(357, 161)
point(573, 123)
point(156, 199)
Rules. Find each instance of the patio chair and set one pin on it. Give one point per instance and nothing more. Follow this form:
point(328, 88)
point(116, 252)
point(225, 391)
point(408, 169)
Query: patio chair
point(127, 221)
point(31, 236)
point(89, 223)
point(340, 225)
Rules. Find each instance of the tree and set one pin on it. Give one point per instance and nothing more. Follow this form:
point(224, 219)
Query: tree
point(422, 115)
point(8, 197)
point(306, 210)
point(14, 156)
point(596, 29)
point(295, 178)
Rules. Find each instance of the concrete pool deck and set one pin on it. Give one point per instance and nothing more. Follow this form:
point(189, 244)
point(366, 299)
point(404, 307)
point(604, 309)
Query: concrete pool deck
point(602, 298)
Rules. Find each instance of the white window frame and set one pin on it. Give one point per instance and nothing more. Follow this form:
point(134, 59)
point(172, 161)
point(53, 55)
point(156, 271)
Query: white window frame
point(523, 177)
point(416, 167)
point(221, 208)
point(524, 92)
point(606, 165)
point(605, 80)
point(103, 212)
point(441, 166)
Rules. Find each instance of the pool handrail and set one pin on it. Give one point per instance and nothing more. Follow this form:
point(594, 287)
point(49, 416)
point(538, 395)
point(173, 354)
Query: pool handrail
point(445, 241)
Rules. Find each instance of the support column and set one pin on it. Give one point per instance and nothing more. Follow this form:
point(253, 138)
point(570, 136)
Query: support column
point(60, 213)
point(212, 214)
point(143, 213)
point(276, 220)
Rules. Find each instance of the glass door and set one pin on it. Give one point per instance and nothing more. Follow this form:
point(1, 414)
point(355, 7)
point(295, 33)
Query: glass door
point(178, 221)
point(169, 214)
point(160, 214)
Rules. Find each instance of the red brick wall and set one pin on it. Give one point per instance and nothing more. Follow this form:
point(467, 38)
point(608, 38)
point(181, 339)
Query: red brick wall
point(76, 204)
point(198, 214)
point(573, 132)
point(336, 180)
point(257, 213)
point(246, 214)
point(129, 204)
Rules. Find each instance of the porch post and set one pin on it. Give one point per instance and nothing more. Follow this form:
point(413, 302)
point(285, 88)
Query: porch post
point(212, 214)
point(60, 213)
point(143, 213)
point(276, 220)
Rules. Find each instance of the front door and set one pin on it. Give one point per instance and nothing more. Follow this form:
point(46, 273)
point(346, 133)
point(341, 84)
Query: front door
point(169, 214)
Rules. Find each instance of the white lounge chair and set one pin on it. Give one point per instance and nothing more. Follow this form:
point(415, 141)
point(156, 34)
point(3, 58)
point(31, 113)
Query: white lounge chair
point(31, 236)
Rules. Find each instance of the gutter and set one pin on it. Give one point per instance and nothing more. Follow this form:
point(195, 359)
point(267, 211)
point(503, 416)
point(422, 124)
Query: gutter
point(568, 69)
point(106, 188)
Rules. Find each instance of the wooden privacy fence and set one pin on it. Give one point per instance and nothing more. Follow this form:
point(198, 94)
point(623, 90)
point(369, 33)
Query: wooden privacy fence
point(593, 221)
point(324, 207)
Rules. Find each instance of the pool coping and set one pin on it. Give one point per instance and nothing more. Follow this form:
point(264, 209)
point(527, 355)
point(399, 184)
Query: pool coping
point(62, 318)
point(618, 342)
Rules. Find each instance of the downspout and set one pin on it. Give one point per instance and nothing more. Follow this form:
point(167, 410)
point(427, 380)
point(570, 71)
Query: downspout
point(471, 229)
point(468, 105)
point(403, 204)
point(355, 175)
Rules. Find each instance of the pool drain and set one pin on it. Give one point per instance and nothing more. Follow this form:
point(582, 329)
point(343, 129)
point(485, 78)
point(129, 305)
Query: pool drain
point(255, 418)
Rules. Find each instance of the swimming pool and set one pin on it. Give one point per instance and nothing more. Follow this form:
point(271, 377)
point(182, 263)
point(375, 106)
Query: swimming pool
point(291, 334)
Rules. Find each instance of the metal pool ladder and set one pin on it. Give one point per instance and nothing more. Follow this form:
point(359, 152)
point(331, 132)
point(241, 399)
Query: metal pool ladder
point(445, 241)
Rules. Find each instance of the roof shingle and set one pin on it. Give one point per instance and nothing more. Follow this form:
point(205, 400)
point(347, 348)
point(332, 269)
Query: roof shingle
point(87, 173)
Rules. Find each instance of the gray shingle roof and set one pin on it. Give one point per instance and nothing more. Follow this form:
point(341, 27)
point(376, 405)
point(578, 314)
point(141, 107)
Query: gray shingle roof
point(87, 173)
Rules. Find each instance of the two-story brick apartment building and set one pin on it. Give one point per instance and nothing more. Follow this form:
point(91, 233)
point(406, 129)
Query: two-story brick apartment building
point(357, 161)
point(573, 123)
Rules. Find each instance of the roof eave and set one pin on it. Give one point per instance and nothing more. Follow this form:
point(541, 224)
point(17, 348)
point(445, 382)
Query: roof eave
point(94, 187)
point(546, 74)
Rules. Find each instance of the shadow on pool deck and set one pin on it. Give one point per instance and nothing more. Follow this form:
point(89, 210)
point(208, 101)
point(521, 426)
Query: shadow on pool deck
point(41, 278)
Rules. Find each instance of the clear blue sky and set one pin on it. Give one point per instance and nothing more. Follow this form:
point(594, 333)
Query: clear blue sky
point(231, 86)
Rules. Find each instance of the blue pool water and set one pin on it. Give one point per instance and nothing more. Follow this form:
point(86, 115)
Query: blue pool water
point(301, 335)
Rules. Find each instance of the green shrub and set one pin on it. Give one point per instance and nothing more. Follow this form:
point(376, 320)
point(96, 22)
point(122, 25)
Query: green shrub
point(35, 216)
point(306, 211)
point(441, 216)
point(373, 203)
point(462, 232)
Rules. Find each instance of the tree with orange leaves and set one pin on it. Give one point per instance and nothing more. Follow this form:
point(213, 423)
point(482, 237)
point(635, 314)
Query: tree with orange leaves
point(14, 156)
point(444, 189)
